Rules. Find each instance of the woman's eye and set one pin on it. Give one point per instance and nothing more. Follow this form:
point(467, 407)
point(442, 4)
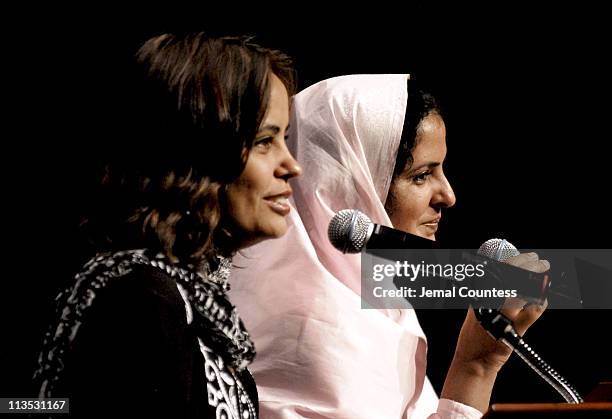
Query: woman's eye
point(264, 143)
point(421, 178)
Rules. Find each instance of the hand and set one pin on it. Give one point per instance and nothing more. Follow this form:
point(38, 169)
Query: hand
point(476, 347)
point(478, 357)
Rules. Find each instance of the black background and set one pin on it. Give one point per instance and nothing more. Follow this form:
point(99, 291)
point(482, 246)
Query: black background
point(525, 92)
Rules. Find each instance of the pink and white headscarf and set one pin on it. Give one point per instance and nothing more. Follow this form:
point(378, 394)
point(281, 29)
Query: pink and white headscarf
point(319, 355)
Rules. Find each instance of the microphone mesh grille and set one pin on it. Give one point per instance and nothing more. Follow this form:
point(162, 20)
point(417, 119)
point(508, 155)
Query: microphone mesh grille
point(348, 230)
point(498, 249)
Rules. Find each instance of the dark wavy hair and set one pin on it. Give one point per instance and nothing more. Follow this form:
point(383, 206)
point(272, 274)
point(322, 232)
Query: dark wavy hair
point(184, 123)
point(420, 105)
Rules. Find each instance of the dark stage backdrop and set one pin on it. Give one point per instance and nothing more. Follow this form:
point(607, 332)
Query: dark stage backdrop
point(525, 94)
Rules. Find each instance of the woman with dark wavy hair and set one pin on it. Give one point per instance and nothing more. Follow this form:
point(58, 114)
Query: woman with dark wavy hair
point(199, 170)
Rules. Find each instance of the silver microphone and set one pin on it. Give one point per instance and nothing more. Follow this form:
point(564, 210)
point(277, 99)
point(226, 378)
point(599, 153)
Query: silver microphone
point(351, 231)
point(498, 249)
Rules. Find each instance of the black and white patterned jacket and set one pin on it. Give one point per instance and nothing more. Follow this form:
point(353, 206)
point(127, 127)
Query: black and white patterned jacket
point(136, 336)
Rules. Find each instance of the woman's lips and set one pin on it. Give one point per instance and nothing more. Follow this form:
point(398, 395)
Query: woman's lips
point(432, 224)
point(279, 204)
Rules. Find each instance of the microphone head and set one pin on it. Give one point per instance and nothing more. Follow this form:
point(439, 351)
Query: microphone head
point(498, 249)
point(349, 230)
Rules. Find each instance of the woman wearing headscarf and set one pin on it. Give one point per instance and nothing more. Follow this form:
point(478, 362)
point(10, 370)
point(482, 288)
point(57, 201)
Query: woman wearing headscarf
point(320, 355)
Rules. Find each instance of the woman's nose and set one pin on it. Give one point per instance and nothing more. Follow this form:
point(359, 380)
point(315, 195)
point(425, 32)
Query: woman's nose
point(444, 196)
point(288, 167)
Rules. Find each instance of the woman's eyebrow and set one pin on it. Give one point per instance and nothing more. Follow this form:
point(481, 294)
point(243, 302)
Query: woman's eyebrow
point(430, 165)
point(272, 128)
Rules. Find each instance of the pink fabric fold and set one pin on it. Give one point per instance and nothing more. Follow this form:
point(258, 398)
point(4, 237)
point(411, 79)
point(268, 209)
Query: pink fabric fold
point(319, 355)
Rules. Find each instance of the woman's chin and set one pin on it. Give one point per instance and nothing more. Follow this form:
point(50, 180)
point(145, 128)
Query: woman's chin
point(426, 232)
point(275, 230)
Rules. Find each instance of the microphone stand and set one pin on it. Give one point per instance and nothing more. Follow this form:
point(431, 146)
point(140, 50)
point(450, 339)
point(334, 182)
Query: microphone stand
point(501, 327)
